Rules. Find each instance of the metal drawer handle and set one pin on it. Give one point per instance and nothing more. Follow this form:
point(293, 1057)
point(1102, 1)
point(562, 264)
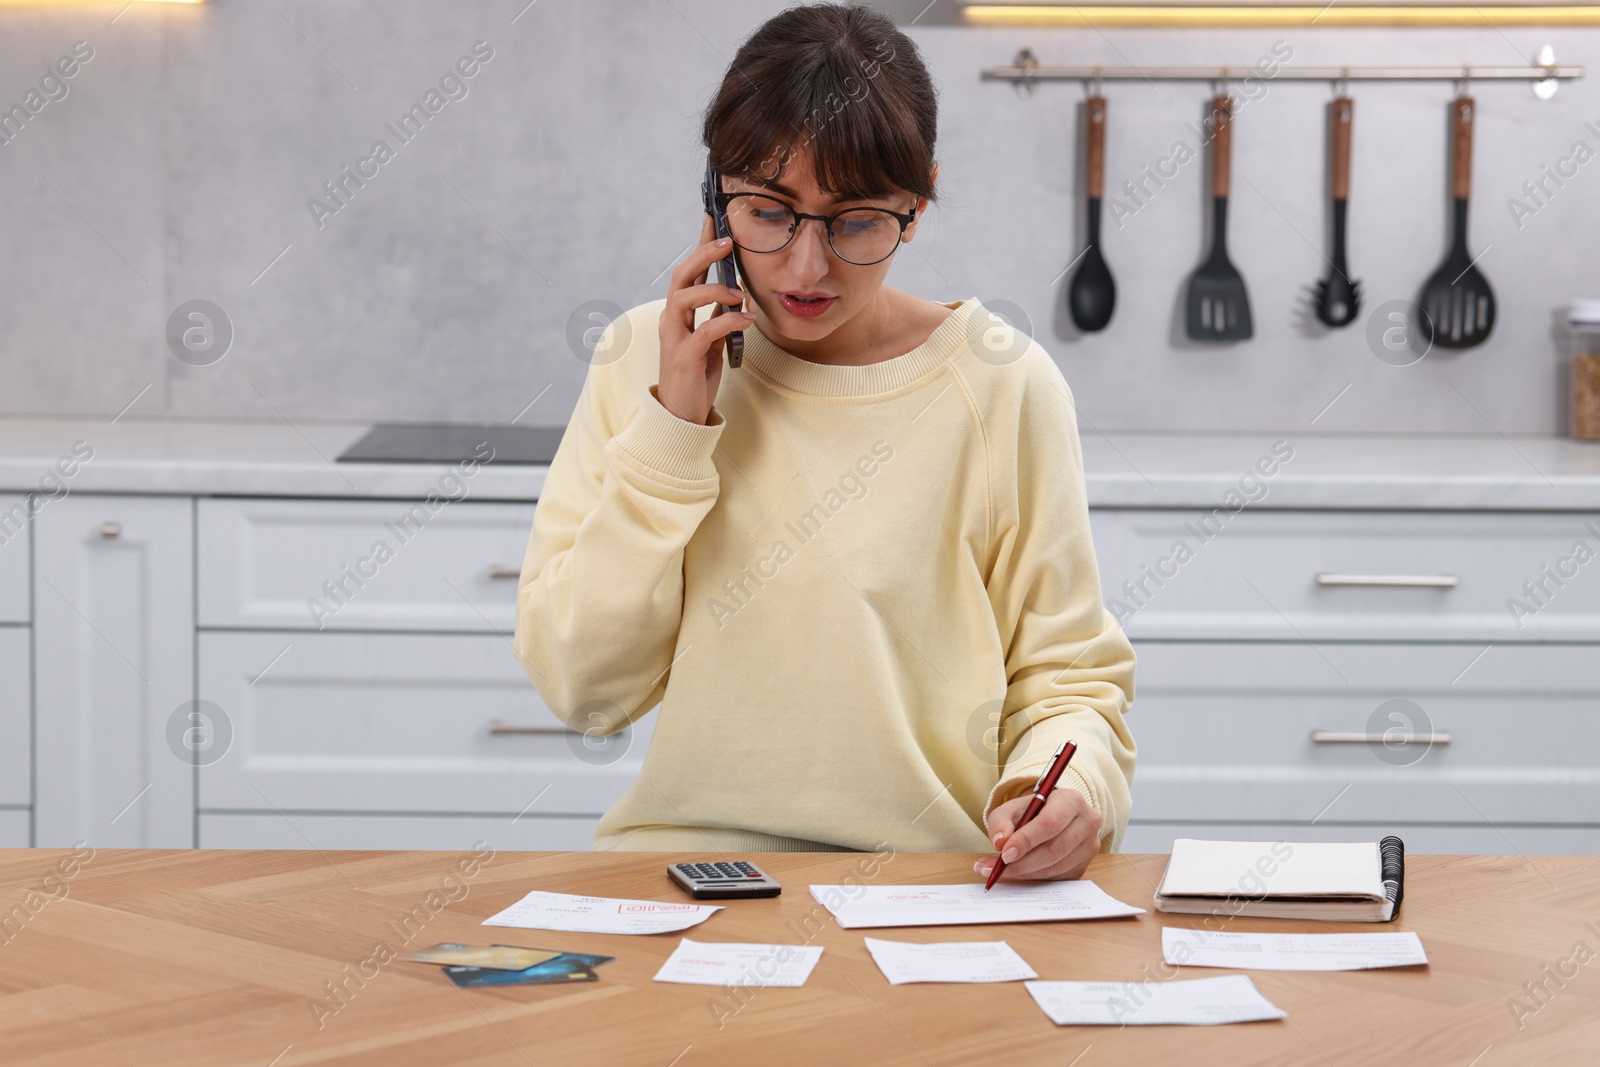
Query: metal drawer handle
point(501, 728)
point(499, 572)
point(111, 530)
point(1336, 737)
point(1390, 581)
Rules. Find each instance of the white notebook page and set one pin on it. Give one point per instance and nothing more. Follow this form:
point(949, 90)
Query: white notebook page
point(1273, 868)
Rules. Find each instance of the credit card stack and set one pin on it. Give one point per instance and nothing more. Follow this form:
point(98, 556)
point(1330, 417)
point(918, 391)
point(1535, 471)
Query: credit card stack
point(470, 966)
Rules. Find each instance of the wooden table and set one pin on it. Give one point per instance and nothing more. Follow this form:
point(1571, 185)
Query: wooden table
point(212, 958)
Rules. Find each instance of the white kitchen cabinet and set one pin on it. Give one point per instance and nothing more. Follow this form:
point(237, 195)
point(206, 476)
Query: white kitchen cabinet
point(114, 640)
point(361, 564)
point(14, 828)
point(396, 723)
point(406, 722)
point(16, 717)
point(1287, 575)
point(14, 529)
point(530, 833)
point(1228, 732)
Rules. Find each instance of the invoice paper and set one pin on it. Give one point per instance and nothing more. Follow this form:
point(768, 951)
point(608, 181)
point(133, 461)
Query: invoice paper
point(700, 963)
point(600, 915)
point(951, 961)
point(955, 905)
point(1291, 952)
point(1198, 1001)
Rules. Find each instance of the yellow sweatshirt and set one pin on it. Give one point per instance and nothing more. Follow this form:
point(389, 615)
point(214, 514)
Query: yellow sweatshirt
point(865, 598)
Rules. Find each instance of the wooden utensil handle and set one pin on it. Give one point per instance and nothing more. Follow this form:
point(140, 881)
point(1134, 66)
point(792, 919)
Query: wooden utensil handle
point(1461, 110)
point(1094, 110)
point(1221, 143)
point(1341, 114)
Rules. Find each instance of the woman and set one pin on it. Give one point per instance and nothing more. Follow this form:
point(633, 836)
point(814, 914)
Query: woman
point(856, 571)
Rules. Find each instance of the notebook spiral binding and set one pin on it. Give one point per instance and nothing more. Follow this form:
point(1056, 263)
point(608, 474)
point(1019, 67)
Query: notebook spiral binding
point(1392, 858)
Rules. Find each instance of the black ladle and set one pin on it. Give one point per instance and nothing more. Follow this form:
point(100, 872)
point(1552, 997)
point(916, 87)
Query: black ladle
point(1092, 294)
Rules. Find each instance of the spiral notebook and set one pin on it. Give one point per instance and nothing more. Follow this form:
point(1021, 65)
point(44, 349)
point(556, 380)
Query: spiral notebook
point(1340, 881)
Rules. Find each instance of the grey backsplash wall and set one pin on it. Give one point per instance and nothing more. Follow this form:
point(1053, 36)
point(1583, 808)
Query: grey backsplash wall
point(179, 164)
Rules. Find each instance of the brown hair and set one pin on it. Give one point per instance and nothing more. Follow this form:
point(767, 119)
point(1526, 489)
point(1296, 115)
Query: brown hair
point(840, 81)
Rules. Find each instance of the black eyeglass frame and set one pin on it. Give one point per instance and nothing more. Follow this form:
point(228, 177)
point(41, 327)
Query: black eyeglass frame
point(903, 218)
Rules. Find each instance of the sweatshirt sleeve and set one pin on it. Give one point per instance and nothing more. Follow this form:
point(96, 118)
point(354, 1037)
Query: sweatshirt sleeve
point(1069, 666)
point(601, 595)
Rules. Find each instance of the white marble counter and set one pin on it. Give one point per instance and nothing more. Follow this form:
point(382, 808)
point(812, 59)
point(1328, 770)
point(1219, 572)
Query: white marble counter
point(1346, 471)
point(229, 459)
point(1123, 470)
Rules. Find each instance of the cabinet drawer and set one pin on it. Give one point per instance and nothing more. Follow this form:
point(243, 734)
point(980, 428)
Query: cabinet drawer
point(1421, 839)
point(16, 717)
point(460, 833)
point(14, 533)
point(14, 829)
point(1292, 574)
point(1225, 733)
point(376, 723)
point(361, 565)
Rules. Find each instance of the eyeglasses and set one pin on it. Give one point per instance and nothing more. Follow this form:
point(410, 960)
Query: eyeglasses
point(862, 236)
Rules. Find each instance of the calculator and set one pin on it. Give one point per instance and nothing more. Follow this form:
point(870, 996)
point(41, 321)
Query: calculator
point(723, 880)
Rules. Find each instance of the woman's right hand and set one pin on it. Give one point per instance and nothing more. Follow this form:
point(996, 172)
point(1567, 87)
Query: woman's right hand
point(691, 359)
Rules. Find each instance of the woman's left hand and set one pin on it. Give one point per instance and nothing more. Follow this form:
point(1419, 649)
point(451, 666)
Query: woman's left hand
point(1058, 843)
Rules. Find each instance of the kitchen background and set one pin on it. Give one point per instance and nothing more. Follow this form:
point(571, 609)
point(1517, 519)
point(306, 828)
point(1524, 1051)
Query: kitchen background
point(180, 162)
point(1376, 551)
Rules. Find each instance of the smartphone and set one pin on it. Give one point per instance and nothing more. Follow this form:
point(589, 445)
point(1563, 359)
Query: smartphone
point(727, 266)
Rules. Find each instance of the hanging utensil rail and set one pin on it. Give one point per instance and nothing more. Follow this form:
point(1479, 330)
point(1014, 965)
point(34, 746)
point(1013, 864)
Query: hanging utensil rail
point(1026, 69)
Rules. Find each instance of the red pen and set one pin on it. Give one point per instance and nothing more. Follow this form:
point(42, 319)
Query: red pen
point(1041, 793)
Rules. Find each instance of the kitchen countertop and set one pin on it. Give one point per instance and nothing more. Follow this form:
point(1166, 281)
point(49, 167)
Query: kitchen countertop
point(231, 459)
point(1122, 469)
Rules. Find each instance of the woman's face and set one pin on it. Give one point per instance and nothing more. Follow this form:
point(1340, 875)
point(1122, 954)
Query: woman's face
point(781, 282)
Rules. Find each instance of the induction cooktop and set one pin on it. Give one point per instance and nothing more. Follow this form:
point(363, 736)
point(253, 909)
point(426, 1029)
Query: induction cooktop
point(452, 442)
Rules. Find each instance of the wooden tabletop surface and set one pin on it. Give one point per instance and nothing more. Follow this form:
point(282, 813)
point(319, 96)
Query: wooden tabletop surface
point(220, 958)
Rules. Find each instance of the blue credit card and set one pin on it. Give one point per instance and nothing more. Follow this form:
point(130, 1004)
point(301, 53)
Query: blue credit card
point(568, 967)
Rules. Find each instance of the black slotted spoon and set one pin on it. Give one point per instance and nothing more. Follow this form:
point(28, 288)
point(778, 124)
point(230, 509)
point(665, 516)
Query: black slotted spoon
point(1338, 299)
point(1217, 308)
point(1092, 294)
point(1457, 304)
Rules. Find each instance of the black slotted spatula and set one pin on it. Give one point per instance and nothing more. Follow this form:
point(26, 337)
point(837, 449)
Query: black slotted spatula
point(1457, 303)
point(1217, 308)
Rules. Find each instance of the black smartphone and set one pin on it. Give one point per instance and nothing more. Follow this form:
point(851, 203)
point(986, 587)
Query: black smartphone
point(727, 266)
